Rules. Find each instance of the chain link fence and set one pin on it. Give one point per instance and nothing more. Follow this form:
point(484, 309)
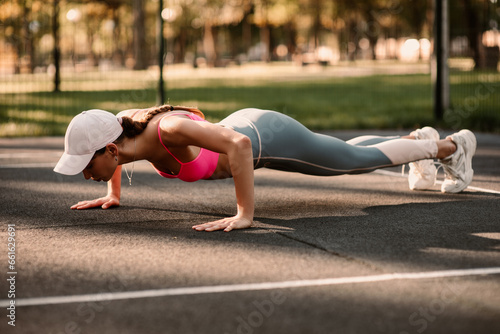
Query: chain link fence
point(60, 57)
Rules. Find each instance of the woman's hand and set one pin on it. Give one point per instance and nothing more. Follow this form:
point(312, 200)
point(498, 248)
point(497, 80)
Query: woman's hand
point(103, 202)
point(226, 224)
point(111, 199)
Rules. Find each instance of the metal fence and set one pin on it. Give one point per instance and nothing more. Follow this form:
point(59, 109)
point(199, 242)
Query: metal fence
point(78, 47)
point(474, 65)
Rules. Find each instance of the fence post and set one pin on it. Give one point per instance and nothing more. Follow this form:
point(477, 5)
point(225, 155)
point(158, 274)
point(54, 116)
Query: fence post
point(56, 51)
point(439, 64)
point(161, 50)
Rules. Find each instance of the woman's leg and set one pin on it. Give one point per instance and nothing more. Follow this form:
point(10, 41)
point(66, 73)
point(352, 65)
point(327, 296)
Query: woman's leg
point(285, 144)
point(280, 142)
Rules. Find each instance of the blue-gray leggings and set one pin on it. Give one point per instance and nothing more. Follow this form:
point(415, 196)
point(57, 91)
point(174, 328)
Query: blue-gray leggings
point(280, 142)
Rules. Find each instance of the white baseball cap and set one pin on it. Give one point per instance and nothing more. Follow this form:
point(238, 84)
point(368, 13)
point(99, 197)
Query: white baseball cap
point(88, 132)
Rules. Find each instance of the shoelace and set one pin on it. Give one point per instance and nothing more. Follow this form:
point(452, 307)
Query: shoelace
point(451, 172)
point(439, 165)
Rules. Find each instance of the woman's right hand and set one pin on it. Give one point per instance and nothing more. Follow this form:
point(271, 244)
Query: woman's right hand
point(111, 199)
point(103, 202)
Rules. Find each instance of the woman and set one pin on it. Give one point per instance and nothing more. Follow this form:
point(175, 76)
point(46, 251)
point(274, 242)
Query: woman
point(179, 143)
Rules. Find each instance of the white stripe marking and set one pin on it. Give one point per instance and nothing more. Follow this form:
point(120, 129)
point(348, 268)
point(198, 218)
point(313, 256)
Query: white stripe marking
point(246, 287)
point(389, 173)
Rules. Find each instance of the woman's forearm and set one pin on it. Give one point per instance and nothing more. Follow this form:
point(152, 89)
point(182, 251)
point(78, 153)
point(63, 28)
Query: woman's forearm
point(241, 164)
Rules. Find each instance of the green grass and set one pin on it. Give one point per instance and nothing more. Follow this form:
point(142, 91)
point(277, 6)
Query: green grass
point(375, 102)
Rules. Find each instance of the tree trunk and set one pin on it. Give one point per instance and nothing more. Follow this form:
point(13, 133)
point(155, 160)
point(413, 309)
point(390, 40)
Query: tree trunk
point(291, 38)
point(117, 54)
point(57, 53)
point(265, 38)
point(473, 32)
point(180, 47)
point(28, 52)
point(91, 57)
point(316, 26)
point(140, 50)
point(246, 34)
point(265, 33)
point(209, 44)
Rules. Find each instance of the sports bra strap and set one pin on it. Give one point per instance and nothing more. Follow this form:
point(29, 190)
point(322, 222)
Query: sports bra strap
point(161, 141)
point(159, 135)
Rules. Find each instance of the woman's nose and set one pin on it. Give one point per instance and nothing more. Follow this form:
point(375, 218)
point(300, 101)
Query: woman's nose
point(86, 174)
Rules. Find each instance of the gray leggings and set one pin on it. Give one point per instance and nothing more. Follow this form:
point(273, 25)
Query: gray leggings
point(280, 142)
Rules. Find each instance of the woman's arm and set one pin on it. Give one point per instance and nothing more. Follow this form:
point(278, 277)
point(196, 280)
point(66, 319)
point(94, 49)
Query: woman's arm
point(241, 165)
point(111, 199)
point(237, 147)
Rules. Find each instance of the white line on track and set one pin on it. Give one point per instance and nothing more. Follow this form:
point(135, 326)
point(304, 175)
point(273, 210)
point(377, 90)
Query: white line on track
point(389, 173)
point(197, 290)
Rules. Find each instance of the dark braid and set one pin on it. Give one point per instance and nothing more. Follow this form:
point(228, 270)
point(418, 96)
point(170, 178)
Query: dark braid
point(133, 128)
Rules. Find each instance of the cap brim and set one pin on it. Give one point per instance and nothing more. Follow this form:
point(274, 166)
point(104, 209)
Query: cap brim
point(72, 164)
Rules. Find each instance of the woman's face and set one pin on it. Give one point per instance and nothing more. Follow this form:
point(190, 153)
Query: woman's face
point(101, 167)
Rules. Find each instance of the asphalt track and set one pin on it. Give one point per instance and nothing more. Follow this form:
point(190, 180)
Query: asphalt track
point(346, 254)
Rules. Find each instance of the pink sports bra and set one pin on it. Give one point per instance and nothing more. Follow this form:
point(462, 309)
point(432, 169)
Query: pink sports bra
point(202, 167)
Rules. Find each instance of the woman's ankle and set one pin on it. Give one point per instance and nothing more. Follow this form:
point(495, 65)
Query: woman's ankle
point(446, 147)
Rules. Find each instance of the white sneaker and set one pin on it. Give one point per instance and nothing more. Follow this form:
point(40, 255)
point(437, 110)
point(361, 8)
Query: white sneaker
point(422, 173)
point(458, 167)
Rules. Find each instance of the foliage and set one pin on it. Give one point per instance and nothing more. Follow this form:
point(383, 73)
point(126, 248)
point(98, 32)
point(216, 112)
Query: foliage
point(212, 22)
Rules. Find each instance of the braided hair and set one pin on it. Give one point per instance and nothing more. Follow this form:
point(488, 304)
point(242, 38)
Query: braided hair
point(132, 128)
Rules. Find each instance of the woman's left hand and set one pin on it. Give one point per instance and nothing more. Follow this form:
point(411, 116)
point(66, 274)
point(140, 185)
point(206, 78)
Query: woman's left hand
point(226, 224)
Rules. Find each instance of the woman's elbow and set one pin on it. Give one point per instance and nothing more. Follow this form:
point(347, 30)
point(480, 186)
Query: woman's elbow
point(243, 143)
point(240, 146)
point(240, 156)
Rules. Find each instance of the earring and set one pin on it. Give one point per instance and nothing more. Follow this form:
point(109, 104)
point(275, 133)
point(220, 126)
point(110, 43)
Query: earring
point(116, 158)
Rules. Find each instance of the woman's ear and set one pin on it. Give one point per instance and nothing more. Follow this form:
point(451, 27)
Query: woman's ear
point(112, 148)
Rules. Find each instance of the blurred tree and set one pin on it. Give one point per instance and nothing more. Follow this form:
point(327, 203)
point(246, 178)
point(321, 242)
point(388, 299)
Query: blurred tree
point(123, 30)
point(117, 50)
point(212, 14)
point(27, 36)
point(415, 20)
point(105, 11)
point(23, 22)
point(273, 14)
point(477, 20)
point(353, 24)
point(374, 19)
point(183, 29)
point(95, 14)
point(261, 18)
